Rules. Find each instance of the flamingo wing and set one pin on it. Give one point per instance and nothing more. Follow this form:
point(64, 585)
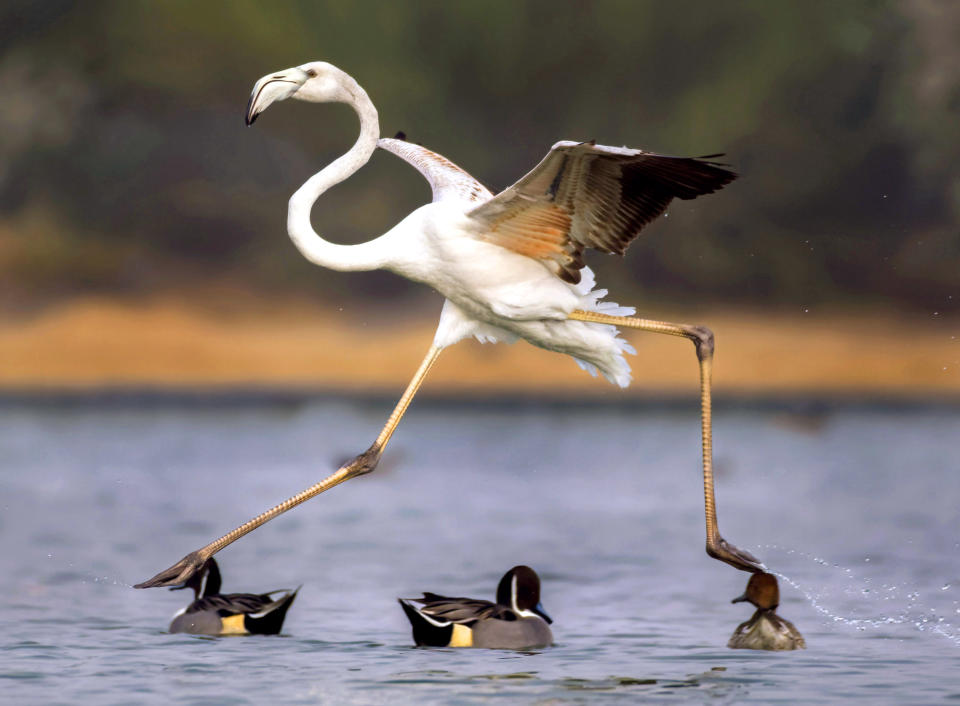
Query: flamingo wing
point(446, 179)
point(584, 195)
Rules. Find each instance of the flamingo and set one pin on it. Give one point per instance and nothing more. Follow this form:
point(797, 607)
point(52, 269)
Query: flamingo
point(510, 266)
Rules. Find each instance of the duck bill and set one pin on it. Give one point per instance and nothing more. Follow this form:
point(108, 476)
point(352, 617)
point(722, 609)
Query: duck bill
point(741, 599)
point(542, 613)
point(272, 88)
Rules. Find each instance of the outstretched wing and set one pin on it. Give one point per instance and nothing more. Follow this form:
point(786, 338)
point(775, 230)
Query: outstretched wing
point(584, 195)
point(446, 179)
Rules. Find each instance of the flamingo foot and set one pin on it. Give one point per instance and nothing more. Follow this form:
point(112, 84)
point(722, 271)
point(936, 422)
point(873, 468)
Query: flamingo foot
point(178, 573)
point(738, 558)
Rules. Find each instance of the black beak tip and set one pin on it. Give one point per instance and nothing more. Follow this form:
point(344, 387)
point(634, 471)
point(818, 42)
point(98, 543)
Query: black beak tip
point(249, 116)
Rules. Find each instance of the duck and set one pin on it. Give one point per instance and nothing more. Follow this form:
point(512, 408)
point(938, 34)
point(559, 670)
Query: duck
point(765, 630)
point(516, 621)
point(215, 613)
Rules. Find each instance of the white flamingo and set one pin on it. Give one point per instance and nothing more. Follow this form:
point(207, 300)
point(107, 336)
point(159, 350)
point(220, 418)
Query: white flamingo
point(510, 265)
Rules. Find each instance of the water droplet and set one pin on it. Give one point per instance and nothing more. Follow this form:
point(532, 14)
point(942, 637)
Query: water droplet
point(945, 587)
point(867, 559)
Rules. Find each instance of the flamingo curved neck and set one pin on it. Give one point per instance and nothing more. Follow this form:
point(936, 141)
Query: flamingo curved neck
point(365, 256)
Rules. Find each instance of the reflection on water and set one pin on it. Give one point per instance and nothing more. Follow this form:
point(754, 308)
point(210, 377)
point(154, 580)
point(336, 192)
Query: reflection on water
point(857, 514)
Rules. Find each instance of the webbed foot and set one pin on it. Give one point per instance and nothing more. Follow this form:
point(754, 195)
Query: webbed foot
point(178, 573)
point(738, 558)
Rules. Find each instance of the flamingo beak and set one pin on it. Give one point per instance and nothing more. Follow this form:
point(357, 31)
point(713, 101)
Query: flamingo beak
point(271, 88)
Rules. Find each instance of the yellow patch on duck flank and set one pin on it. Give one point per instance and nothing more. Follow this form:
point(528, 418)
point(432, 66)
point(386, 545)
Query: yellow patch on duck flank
point(462, 636)
point(233, 625)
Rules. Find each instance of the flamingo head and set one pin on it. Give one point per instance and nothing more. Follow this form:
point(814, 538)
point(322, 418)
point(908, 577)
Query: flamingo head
point(316, 82)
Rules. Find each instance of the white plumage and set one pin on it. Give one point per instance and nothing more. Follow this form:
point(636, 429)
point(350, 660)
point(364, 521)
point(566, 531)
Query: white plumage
point(509, 265)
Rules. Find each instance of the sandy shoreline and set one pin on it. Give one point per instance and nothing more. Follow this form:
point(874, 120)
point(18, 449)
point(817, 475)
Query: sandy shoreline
point(97, 343)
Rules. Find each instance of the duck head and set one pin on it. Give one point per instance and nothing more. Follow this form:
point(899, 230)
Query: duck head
point(520, 590)
point(762, 591)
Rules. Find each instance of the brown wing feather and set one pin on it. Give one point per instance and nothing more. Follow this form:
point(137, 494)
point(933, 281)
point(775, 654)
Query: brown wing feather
point(591, 196)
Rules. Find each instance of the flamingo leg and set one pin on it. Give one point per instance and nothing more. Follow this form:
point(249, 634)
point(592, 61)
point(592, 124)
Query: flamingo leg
point(702, 338)
point(361, 465)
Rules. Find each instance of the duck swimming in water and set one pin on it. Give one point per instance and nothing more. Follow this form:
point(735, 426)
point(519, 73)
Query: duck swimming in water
point(215, 613)
point(515, 621)
point(765, 630)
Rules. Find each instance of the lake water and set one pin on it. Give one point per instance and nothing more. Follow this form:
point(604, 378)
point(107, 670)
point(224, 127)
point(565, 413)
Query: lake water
point(857, 508)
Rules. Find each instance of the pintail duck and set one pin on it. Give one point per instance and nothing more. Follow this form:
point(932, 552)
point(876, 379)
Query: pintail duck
point(765, 630)
point(215, 613)
point(515, 621)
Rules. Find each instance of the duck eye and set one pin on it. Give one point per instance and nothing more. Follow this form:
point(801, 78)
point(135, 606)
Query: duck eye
point(311, 73)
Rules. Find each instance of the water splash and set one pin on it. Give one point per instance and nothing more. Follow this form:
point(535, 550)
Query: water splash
point(114, 581)
point(914, 614)
point(85, 577)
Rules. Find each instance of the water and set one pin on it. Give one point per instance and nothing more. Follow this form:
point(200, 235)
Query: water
point(857, 510)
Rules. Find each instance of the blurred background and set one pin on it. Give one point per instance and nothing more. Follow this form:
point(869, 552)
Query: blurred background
point(142, 225)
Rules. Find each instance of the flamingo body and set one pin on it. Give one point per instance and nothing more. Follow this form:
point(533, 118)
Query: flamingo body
point(497, 295)
point(510, 265)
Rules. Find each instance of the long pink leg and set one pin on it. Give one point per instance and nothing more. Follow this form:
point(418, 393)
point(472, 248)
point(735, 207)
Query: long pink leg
point(702, 338)
point(362, 464)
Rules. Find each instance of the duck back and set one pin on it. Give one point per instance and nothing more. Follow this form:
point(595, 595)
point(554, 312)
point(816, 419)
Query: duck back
point(766, 631)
